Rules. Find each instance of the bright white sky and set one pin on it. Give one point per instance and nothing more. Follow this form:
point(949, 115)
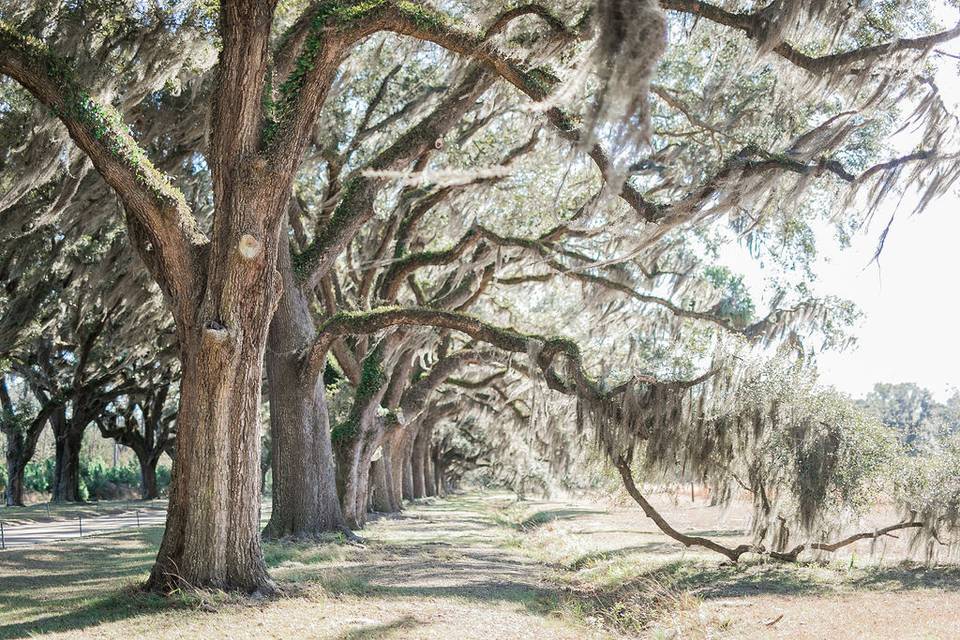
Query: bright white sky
point(910, 297)
point(911, 300)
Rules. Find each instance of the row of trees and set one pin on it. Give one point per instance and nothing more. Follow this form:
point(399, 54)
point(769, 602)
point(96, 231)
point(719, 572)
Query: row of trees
point(391, 211)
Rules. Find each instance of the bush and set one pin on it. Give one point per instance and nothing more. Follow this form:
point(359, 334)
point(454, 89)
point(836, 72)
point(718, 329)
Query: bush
point(98, 480)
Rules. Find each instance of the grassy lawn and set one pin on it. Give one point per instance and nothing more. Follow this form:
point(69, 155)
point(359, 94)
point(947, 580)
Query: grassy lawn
point(483, 566)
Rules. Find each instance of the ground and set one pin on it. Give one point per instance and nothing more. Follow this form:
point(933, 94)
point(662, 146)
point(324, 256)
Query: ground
point(482, 565)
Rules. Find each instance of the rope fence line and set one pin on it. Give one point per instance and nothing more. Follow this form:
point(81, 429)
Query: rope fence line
point(77, 526)
point(72, 527)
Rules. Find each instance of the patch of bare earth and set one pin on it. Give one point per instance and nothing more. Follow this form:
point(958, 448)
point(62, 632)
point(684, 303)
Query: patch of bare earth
point(630, 577)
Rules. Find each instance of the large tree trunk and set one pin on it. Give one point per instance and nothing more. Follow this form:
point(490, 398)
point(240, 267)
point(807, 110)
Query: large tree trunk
point(429, 479)
point(149, 490)
point(13, 494)
point(212, 539)
point(437, 471)
point(390, 463)
point(379, 488)
point(407, 485)
point(305, 502)
point(354, 457)
point(395, 451)
point(417, 460)
point(66, 468)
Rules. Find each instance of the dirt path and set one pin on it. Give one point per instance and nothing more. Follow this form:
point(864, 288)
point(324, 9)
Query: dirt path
point(483, 567)
point(441, 570)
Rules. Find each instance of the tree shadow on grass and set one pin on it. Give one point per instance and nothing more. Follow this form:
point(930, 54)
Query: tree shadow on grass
point(381, 630)
point(774, 578)
point(612, 554)
point(478, 575)
point(541, 518)
point(77, 585)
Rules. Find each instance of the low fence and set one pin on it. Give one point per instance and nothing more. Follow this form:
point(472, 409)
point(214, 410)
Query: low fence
point(79, 526)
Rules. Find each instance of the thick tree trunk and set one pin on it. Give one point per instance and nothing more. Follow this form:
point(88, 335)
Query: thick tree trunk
point(354, 457)
point(66, 468)
point(429, 479)
point(212, 539)
point(379, 488)
point(391, 477)
point(305, 502)
point(395, 468)
point(437, 471)
point(13, 494)
point(149, 490)
point(418, 458)
point(407, 489)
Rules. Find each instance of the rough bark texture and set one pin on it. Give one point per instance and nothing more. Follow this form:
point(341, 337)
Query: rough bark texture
point(417, 459)
point(212, 537)
point(354, 457)
point(66, 469)
point(305, 502)
point(149, 490)
point(408, 486)
point(16, 463)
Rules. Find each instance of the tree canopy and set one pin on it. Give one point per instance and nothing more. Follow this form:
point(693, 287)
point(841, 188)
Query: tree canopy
point(453, 236)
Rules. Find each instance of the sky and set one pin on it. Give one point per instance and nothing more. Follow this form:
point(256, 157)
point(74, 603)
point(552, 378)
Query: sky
point(910, 297)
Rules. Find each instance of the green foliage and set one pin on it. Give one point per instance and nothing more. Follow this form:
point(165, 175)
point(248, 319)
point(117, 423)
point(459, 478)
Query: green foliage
point(929, 486)
point(98, 480)
point(735, 302)
point(913, 413)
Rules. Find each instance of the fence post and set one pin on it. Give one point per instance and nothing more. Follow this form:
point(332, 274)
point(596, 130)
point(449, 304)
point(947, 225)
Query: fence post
point(138, 518)
point(3, 540)
point(80, 518)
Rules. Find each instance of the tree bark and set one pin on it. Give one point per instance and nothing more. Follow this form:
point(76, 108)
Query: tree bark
point(417, 459)
point(429, 479)
point(354, 457)
point(407, 486)
point(212, 538)
point(13, 494)
point(379, 492)
point(391, 464)
point(66, 468)
point(305, 502)
point(149, 490)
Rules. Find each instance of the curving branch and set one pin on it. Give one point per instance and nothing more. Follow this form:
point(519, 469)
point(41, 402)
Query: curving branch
point(168, 236)
point(755, 25)
point(734, 553)
point(356, 206)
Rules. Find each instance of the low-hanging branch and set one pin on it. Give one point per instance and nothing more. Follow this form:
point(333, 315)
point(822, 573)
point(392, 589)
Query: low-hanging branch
point(735, 553)
point(755, 25)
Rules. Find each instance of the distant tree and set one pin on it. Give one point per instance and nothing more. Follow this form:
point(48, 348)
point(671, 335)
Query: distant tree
point(913, 413)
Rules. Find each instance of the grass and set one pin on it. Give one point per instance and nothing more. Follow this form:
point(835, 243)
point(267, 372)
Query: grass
point(481, 566)
point(618, 572)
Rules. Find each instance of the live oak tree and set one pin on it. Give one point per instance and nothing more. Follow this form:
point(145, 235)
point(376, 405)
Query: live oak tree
point(447, 216)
